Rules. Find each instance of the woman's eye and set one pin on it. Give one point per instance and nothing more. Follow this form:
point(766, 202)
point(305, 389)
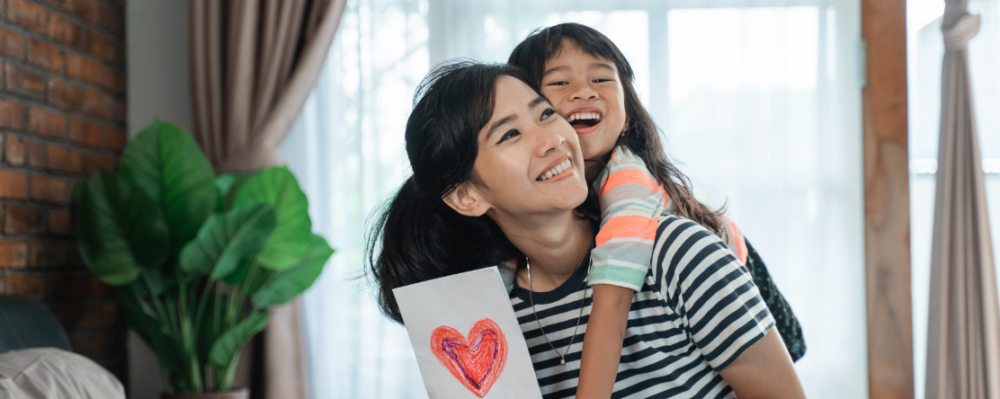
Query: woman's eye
point(509, 135)
point(559, 83)
point(547, 113)
point(601, 80)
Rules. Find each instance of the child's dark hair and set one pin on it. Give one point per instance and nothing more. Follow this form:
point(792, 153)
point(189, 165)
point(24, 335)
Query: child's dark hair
point(418, 237)
point(641, 135)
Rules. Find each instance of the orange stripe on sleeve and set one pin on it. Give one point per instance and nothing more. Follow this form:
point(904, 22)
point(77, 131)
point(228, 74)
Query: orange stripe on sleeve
point(629, 226)
point(628, 176)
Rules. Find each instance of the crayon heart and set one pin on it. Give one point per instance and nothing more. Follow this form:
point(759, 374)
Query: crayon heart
point(477, 361)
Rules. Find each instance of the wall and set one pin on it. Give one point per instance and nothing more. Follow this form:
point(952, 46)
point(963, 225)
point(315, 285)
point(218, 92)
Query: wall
point(62, 115)
point(158, 87)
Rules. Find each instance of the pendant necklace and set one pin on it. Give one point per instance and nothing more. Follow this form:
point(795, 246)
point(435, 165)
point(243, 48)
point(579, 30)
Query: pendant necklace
point(562, 356)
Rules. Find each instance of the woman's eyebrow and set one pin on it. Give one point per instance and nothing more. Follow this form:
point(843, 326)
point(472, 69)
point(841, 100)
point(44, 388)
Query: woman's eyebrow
point(496, 125)
point(534, 103)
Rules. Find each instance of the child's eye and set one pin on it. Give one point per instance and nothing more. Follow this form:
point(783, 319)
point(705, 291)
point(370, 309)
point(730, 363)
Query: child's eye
point(509, 135)
point(602, 80)
point(547, 113)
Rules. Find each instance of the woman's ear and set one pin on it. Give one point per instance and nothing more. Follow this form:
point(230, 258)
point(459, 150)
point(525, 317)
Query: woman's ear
point(468, 200)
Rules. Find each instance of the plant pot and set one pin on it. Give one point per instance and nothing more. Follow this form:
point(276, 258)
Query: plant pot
point(241, 393)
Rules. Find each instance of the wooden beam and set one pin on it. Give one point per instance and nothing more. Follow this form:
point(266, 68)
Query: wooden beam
point(887, 201)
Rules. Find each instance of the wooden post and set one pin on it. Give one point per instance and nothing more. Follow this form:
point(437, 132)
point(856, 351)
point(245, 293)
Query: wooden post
point(887, 201)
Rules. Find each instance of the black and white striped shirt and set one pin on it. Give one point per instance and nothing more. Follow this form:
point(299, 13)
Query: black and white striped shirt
point(697, 311)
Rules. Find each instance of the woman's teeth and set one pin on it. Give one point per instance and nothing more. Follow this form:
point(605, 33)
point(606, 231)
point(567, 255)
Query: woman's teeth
point(556, 170)
point(584, 116)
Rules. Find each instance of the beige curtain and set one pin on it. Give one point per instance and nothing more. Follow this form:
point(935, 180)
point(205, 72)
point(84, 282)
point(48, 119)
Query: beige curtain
point(253, 64)
point(963, 339)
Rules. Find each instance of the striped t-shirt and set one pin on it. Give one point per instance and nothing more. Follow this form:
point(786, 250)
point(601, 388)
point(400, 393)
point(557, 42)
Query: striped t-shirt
point(697, 311)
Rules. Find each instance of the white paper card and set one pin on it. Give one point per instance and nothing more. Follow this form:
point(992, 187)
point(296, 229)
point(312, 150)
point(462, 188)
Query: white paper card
point(466, 338)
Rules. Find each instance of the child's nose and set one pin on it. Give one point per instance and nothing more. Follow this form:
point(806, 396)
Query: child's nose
point(584, 92)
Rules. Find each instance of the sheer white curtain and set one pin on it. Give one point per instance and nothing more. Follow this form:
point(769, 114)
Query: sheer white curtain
point(759, 101)
point(925, 53)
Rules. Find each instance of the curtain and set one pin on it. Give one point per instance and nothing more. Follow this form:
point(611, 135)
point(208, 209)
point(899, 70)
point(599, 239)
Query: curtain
point(759, 101)
point(925, 70)
point(963, 338)
point(253, 63)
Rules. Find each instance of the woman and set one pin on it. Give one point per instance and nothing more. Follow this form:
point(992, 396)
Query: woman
point(498, 174)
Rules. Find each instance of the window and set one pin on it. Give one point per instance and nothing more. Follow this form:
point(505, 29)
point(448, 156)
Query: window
point(759, 102)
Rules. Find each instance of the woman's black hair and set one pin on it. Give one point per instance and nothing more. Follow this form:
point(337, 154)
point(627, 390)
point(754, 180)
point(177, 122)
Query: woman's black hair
point(641, 135)
point(418, 237)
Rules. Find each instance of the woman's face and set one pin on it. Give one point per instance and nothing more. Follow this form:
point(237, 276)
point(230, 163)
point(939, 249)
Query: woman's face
point(529, 157)
point(586, 91)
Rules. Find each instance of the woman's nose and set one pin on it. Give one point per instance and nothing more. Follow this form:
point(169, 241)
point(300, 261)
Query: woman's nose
point(547, 141)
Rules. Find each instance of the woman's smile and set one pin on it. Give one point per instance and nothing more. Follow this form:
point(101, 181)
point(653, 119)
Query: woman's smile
point(558, 170)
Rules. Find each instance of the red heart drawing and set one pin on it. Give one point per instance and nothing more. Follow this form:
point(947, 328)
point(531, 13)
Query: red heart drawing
point(476, 362)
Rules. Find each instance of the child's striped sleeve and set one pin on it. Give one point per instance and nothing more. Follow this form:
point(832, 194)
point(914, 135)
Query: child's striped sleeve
point(631, 202)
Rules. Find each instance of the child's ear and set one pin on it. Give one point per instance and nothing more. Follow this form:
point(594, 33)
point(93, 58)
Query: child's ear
point(468, 200)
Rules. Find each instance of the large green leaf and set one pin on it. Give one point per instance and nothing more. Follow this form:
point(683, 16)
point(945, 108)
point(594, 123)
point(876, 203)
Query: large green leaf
point(224, 183)
point(286, 284)
point(169, 166)
point(291, 236)
point(228, 345)
point(228, 241)
point(119, 229)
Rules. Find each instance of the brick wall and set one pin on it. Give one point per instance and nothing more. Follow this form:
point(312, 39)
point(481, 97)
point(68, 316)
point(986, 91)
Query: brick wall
point(62, 115)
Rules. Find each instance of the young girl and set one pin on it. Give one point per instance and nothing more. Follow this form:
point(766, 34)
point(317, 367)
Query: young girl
point(497, 174)
point(589, 82)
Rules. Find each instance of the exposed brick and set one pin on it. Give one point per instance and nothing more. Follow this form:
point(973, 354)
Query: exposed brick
point(11, 115)
point(104, 47)
point(67, 32)
point(98, 289)
point(79, 66)
point(3, 284)
point(28, 15)
point(111, 20)
point(114, 138)
point(49, 254)
point(45, 55)
point(21, 219)
point(46, 122)
point(87, 316)
point(98, 104)
point(84, 132)
point(51, 189)
point(13, 254)
point(11, 43)
point(62, 288)
point(29, 285)
point(64, 159)
point(13, 185)
point(24, 81)
point(65, 95)
point(113, 80)
point(60, 222)
point(92, 162)
point(85, 9)
point(20, 152)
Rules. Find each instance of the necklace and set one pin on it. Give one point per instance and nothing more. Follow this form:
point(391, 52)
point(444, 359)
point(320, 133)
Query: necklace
point(562, 356)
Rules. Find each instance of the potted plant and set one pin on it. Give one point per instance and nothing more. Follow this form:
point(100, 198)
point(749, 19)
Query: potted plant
point(196, 260)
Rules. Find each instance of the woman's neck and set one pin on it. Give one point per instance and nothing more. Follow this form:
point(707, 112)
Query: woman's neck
point(554, 245)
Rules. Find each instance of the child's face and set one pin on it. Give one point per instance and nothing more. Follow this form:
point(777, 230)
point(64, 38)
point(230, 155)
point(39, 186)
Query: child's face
point(586, 90)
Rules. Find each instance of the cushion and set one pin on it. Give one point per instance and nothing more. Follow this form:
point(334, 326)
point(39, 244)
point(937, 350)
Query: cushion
point(51, 373)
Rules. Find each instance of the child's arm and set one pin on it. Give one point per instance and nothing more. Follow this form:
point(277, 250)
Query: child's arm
point(631, 202)
point(602, 343)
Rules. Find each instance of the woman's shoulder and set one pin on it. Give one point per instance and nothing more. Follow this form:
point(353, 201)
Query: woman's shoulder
point(683, 244)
